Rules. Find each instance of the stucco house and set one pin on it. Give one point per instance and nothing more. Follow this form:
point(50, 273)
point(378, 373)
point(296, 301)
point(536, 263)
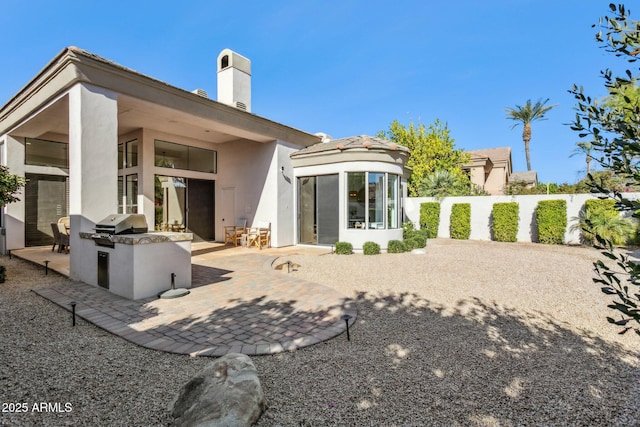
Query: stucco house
point(490, 169)
point(528, 178)
point(95, 138)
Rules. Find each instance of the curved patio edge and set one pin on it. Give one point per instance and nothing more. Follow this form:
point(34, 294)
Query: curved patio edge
point(251, 313)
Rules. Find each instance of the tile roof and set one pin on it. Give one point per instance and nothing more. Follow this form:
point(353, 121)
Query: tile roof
point(352, 142)
point(495, 154)
point(525, 176)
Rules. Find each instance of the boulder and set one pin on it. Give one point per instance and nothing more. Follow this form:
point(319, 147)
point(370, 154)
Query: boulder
point(225, 393)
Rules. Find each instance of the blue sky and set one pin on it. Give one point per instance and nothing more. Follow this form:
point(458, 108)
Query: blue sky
point(349, 67)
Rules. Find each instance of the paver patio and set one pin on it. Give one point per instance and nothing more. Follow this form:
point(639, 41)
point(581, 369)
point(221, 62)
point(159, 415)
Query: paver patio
point(238, 304)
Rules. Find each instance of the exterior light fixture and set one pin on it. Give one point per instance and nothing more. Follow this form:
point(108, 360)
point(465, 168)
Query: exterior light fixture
point(346, 319)
point(73, 312)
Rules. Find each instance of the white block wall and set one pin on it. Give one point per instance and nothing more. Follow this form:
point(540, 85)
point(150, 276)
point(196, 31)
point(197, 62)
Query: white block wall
point(481, 207)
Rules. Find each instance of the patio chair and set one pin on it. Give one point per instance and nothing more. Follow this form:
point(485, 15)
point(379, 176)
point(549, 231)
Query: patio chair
point(64, 238)
point(56, 236)
point(233, 233)
point(260, 235)
point(64, 220)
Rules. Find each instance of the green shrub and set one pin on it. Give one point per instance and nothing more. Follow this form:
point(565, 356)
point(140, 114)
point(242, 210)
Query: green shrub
point(430, 218)
point(551, 217)
point(413, 238)
point(504, 222)
point(599, 217)
point(460, 226)
point(420, 240)
point(410, 244)
point(407, 229)
point(396, 247)
point(344, 248)
point(371, 248)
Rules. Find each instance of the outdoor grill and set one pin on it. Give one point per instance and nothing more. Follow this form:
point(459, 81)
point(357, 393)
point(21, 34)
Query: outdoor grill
point(116, 224)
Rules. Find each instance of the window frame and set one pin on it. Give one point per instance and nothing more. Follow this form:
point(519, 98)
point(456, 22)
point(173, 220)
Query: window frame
point(367, 224)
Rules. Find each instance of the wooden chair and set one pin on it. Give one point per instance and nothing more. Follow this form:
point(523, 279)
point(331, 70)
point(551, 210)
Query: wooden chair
point(233, 233)
point(260, 235)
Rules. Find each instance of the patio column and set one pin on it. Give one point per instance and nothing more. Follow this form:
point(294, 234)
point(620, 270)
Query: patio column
point(13, 158)
point(147, 176)
point(93, 169)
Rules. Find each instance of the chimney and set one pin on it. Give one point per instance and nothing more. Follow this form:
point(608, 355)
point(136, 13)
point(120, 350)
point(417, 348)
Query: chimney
point(234, 80)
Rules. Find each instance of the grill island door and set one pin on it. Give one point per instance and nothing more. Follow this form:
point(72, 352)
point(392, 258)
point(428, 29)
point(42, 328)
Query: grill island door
point(103, 269)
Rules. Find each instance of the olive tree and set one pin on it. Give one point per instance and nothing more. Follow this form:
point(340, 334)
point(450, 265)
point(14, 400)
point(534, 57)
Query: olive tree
point(613, 131)
point(10, 186)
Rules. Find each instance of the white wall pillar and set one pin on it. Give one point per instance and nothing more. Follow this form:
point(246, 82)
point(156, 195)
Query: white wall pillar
point(147, 177)
point(93, 169)
point(15, 212)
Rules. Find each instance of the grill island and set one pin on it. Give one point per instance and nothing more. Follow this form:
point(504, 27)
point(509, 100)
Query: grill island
point(123, 257)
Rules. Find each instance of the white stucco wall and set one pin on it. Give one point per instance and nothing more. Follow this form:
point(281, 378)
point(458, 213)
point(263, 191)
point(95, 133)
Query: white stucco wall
point(284, 233)
point(481, 213)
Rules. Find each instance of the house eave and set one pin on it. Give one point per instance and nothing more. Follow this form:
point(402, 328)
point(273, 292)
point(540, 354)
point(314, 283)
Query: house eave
point(72, 66)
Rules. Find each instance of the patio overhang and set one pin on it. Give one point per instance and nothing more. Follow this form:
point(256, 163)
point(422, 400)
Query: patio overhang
point(41, 110)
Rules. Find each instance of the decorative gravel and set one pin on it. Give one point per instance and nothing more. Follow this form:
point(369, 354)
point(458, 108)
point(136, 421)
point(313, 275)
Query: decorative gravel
point(470, 333)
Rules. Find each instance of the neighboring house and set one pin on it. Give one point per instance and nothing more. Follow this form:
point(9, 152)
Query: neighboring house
point(95, 138)
point(528, 178)
point(490, 169)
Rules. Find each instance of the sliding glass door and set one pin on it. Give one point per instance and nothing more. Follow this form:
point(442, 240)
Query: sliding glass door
point(318, 209)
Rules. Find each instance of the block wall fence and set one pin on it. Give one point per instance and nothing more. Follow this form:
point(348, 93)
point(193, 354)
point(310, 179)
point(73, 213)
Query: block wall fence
point(481, 207)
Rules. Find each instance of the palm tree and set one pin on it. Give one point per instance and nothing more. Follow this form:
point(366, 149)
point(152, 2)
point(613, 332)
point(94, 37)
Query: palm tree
point(526, 115)
point(584, 147)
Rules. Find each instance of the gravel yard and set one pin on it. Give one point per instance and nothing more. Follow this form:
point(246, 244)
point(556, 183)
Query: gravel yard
point(472, 333)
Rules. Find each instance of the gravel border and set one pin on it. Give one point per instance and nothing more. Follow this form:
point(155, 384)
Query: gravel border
point(443, 343)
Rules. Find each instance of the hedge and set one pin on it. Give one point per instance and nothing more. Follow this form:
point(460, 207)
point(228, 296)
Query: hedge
point(430, 218)
point(344, 248)
point(396, 247)
point(370, 248)
point(460, 226)
point(504, 221)
point(596, 205)
point(551, 217)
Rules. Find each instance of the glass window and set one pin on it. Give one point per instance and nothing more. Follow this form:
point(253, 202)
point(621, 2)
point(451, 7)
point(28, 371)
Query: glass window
point(132, 194)
point(357, 199)
point(178, 156)
point(39, 152)
point(368, 205)
point(376, 200)
point(132, 154)
point(392, 201)
point(202, 160)
point(170, 155)
point(170, 202)
point(121, 156)
point(120, 193)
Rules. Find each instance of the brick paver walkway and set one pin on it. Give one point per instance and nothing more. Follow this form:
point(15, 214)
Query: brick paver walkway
point(237, 304)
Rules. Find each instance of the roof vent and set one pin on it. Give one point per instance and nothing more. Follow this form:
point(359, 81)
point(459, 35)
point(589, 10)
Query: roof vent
point(241, 105)
point(200, 92)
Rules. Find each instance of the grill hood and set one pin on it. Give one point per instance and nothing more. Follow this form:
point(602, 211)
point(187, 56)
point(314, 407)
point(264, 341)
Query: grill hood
point(123, 224)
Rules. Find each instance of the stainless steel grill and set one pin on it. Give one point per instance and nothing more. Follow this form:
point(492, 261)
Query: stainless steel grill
point(118, 224)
